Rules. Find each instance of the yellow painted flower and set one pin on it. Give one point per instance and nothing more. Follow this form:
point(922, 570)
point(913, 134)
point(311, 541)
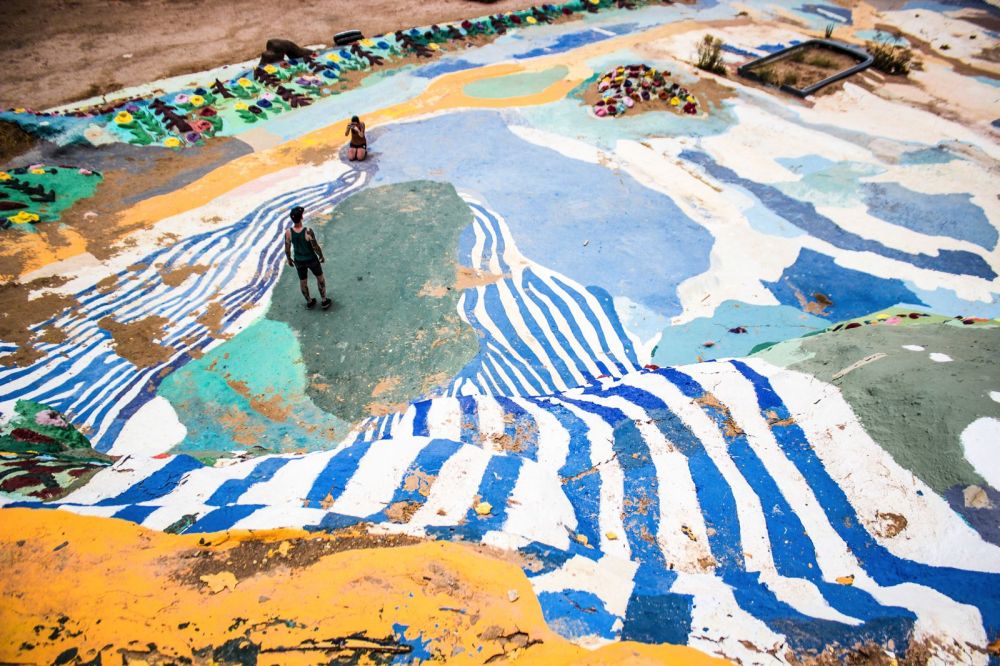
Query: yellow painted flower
point(433, 47)
point(367, 43)
point(674, 101)
point(38, 172)
point(333, 57)
point(531, 19)
point(244, 82)
point(172, 142)
point(23, 217)
point(595, 2)
point(241, 106)
point(270, 69)
point(689, 98)
point(5, 176)
point(197, 100)
point(20, 109)
point(123, 118)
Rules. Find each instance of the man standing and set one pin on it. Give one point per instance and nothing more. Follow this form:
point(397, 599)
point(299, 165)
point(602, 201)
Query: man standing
point(305, 254)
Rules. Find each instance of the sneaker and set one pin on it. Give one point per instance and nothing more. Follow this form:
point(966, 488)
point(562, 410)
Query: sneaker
point(326, 303)
point(311, 303)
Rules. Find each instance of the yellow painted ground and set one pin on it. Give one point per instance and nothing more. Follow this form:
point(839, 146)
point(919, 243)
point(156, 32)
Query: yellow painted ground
point(97, 585)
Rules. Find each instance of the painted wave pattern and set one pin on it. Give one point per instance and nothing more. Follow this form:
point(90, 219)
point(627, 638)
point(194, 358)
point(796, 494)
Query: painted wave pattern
point(85, 378)
point(540, 332)
point(685, 505)
point(664, 511)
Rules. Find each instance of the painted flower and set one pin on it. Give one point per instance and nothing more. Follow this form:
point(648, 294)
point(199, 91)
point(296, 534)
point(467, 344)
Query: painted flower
point(123, 118)
point(200, 91)
point(5, 176)
point(532, 20)
point(192, 137)
point(264, 103)
point(674, 101)
point(240, 106)
point(333, 57)
point(181, 99)
point(244, 82)
point(38, 171)
point(207, 112)
point(383, 45)
point(172, 142)
point(256, 110)
point(20, 109)
point(267, 95)
point(197, 100)
point(23, 217)
point(201, 125)
point(270, 69)
point(368, 43)
point(433, 47)
point(85, 172)
point(131, 108)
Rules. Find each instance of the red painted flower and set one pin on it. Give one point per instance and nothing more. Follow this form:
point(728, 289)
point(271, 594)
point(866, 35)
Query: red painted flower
point(201, 125)
point(207, 112)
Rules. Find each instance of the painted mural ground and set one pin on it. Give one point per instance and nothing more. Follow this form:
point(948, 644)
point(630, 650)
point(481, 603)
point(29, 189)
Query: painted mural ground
point(626, 361)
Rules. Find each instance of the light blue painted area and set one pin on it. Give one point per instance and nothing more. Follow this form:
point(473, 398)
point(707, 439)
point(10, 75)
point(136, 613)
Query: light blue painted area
point(988, 80)
point(835, 185)
point(950, 215)
point(264, 361)
point(685, 343)
point(946, 302)
point(445, 65)
point(766, 221)
point(879, 35)
point(535, 188)
point(806, 165)
point(853, 293)
point(933, 155)
point(774, 48)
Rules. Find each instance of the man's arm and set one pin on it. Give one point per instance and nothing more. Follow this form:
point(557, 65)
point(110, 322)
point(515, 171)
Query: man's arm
point(288, 247)
point(315, 245)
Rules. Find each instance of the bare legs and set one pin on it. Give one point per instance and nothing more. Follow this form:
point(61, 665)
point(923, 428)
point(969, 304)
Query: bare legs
point(320, 284)
point(356, 154)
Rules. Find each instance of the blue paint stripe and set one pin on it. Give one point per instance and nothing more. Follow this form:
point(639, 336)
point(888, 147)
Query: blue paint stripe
point(338, 471)
point(428, 462)
point(222, 518)
point(157, 484)
point(230, 491)
point(420, 428)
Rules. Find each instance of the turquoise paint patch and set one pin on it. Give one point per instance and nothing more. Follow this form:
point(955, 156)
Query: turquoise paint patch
point(250, 392)
point(933, 155)
point(763, 324)
point(515, 85)
point(836, 185)
point(947, 302)
point(873, 35)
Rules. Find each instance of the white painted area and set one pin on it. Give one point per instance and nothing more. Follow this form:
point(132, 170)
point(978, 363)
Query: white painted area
point(609, 578)
point(874, 482)
point(444, 419)
point(454, 491)
point(538, 487)
point(938, 357)
point(116, 479)
point(915, 348)
point(379, 473)
point(292, 482)
point(981, 443)
point(995, 396)
point(153, 429)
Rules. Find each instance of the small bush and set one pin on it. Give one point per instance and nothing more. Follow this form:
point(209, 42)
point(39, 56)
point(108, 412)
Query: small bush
point(890, 58)
point(710, 55)
point(829, 30)
point(798, 56)
point(790, 79)
point(767, 75)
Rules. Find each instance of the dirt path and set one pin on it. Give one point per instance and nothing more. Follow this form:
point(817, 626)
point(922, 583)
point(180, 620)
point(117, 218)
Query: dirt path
point(60, 51)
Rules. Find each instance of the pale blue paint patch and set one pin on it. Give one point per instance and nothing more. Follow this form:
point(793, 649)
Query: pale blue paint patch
point(830, 12)
point(764, 220)
point(932, 155)
point(806, 165)
point(685, 343)
point(951, 215)
point(853, 293)
point(533, 186)
point(880, 35)
point(946, 302)
point(988, 80)
point(566, 43)
point(835, 185)
point(445, 65)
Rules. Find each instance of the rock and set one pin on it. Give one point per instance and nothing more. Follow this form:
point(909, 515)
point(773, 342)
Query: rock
point(484, 508)
point(220, 581)
point(976, 498)
point(512, 596)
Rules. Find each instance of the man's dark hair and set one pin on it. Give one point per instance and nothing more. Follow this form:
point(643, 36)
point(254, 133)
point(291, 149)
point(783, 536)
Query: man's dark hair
point(296, 213)
point(355, 119)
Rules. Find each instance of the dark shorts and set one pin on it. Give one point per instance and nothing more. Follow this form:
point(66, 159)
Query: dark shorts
point(362, 146)
point(304, 266)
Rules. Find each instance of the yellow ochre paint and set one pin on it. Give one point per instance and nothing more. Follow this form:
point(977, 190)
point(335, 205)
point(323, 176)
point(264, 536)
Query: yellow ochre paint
point(100, 585)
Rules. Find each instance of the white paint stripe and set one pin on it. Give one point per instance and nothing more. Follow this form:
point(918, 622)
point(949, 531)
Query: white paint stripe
point(453, 491)
point(378, 475)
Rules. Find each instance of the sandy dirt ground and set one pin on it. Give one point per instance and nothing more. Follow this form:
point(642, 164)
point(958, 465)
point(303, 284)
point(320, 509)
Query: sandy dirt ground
point(60, 51)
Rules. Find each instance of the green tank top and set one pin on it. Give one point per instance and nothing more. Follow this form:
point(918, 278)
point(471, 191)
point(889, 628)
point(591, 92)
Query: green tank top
point(301, 248)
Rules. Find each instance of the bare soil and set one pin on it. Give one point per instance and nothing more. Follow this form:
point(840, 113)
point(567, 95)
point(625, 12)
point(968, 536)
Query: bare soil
point(805, 67)
point(60, 51)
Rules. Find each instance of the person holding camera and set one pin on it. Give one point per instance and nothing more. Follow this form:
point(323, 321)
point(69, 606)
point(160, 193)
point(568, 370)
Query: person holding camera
point(359, 144)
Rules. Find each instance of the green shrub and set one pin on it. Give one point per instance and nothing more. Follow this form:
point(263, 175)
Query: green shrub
point(710, 55)
point(822, 62)
point(829, 30)
point(767, 75)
